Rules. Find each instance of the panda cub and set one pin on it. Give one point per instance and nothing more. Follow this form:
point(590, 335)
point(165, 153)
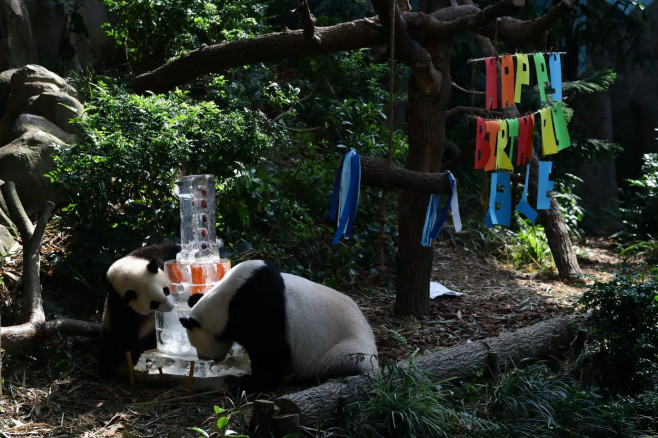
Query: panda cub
point(138, 286)
point(290, 327)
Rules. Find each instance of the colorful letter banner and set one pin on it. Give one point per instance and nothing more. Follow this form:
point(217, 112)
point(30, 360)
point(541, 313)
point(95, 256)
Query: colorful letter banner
point(522, 75)
point(495, 139)
point(548, 76)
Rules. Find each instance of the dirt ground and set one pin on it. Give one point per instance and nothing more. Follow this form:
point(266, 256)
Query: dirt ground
point(55, 391)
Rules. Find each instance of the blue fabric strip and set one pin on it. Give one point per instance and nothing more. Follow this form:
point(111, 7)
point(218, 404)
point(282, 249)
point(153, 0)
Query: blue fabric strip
point(345, 195)
point(435, 217)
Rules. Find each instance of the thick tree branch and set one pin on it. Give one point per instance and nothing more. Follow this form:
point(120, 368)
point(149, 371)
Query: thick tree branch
point(412, 29)
point(408, 50)
point(28, 335)
point(265, 48)
point(379, 172)
point(551, 338)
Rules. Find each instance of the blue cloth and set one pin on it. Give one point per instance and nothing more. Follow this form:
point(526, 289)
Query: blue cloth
point(345, 194)
point(435, 217)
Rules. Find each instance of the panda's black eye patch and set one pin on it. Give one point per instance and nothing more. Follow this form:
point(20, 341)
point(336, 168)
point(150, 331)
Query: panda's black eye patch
point(192, 300)
point(129, 295)
point(166, 291)
point(155, 305)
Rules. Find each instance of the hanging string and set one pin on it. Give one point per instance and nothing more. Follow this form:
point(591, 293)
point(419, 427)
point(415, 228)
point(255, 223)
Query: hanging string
point(473, 60)
point(391, 82)
point(472, 88)
point(383, 238)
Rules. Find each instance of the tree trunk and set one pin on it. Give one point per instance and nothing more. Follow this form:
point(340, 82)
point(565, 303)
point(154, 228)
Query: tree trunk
point(556, 230)
point(552, 338)
point(428, 101)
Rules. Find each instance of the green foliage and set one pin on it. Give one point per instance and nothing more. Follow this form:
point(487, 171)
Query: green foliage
point(536, 402)
point(599, 82)
point(569, 203)
point(404, 402)
point(524, 246)
point(640, 209)
point(154, 31)
point(623, 352)
point(332, 116)
point(256, 207)
point(119, 178)
point(223, 420)
point(642, 410)
point(522, 402)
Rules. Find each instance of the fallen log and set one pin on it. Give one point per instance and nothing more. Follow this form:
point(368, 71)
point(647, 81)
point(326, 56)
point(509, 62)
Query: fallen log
point(551, 338)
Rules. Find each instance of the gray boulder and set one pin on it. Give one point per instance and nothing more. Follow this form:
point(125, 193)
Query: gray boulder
point(25, 161)
point(58, 107)
point(31, 122)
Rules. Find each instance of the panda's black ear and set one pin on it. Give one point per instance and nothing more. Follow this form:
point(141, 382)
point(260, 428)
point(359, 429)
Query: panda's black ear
point(129, 295)
point(189, 323)
point(192, 300)
point(152, 267)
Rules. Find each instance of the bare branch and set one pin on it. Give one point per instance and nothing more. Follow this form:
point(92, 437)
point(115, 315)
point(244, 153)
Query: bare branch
point(28, 335)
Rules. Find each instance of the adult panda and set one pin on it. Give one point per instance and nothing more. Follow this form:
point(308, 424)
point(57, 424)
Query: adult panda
point(290, 327)
point(138, 286)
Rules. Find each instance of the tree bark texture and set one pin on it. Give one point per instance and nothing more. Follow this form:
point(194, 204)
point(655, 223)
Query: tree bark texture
point(381, 173)
point(429, 93)
point(551, 338)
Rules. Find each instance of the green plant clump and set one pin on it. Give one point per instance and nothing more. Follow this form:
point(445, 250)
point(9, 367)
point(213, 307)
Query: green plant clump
point(623, 353)
point(119, 178)
point(153, 31)
point(640, 211)
point(405, 402)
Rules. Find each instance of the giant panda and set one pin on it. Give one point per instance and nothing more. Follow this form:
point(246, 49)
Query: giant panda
point(291, 327)
point(137, 287)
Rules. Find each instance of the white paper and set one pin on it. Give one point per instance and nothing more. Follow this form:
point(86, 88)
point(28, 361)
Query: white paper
point(438, 290)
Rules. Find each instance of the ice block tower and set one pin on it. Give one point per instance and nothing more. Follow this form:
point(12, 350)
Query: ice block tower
point(197, 266)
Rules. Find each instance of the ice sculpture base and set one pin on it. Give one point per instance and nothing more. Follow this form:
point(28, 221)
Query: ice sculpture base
point(154, 362)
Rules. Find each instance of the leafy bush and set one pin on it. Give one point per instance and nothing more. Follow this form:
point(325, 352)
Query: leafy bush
point(153, 31)
point(119, 178)
point(623, 353)
point(640, 210)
